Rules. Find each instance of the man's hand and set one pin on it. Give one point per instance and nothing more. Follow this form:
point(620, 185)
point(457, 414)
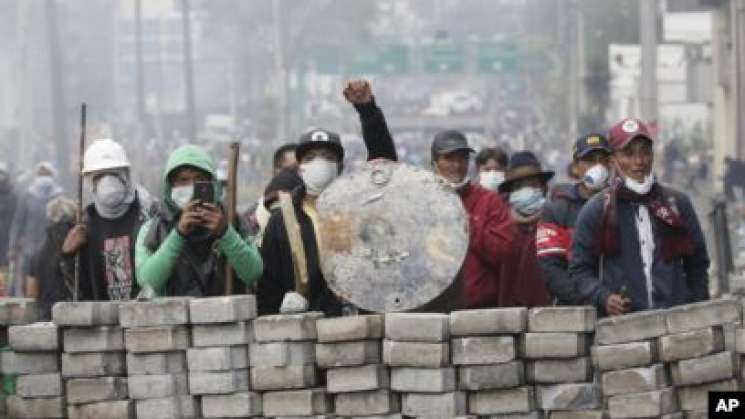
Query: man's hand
point(213, 219)
point(616, 305)
point(358, 92)
point(76, 237)
point(191, 217)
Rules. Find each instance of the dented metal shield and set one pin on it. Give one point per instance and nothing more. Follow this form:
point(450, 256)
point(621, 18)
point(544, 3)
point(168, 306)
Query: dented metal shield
point(393, 237)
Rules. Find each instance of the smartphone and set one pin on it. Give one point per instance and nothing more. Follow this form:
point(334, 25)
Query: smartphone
point(204, 192)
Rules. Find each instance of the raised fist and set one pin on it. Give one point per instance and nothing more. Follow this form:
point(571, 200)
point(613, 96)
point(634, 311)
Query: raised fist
point(358, 92)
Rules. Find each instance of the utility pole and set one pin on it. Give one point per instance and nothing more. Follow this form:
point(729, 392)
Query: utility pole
point(280, 71)
point(648, 107)
point(191, 117)
point(738, 74)
point(56, 73)
point(140, 66)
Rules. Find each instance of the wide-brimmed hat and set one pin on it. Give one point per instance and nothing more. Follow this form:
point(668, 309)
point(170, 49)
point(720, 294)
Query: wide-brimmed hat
point(524, 165)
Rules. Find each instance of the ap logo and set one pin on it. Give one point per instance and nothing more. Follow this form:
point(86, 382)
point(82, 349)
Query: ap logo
point(726, 404)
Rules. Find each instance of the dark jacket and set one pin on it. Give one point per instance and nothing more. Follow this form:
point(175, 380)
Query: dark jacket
point(8, 202)
point(522, 283)
point(54, 276)
point(279, 277)
point(682, 280)
point(554, 241)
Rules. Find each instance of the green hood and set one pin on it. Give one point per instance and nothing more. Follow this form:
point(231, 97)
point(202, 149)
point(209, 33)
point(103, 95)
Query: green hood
point(187, 155)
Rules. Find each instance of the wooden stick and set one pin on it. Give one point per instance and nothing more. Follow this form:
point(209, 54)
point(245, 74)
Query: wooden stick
point(232, 202)
point(79, 212)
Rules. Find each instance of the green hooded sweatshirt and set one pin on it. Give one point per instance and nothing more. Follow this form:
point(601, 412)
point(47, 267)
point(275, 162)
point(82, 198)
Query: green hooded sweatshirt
point(155, 268)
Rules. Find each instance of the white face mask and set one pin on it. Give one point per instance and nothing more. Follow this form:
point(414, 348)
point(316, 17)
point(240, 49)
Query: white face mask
point(318, 174)
point(596, 177)
point(182, 195)
point(110, 191)
point(528, 200)
point(641, 188)
point(491, 179)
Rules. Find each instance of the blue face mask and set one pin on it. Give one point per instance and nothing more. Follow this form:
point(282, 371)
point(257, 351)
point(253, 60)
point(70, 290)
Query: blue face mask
point(527, 201)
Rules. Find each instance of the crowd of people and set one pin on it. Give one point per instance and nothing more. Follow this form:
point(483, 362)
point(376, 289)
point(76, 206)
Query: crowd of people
point(615, 237)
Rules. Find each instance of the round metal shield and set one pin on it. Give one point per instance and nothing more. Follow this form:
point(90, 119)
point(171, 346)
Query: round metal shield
point(393, 236)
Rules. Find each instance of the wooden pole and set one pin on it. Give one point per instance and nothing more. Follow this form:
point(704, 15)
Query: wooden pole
point(232, 200)
point(79, 212)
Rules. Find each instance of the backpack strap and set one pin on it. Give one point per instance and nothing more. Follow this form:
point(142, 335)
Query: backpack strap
point(297, 249)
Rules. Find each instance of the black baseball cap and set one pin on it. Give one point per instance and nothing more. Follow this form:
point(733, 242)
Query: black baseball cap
point(449, 141)
point(319, 138)
point(589, 143)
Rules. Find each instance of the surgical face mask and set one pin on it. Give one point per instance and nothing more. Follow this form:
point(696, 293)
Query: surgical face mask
point(491, 179)
point(528, 200)
point(110, 191)
point(596, 177)
point(641, 188)
point(182, 195)
point(317, 174)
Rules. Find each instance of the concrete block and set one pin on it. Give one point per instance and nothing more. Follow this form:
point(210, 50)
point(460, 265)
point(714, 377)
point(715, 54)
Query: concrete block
point(85, 313)
point(696, 397)
point(156, 363)
point(415, 354)
point(286, 327)
point(693, 344)
point(29, 363)
point(218, 358)
point(536, 414)
point(632, 327)
point(576, 396)
point(740, 341)
point(232, 405)
point(483, 350)
point(579, 319)
point(347, 354)
point(366, 403)
point(157, 339)
point(557, 371)
point(351, 379)
point(157, 386)
point(94, 339)
point(635, 380)
point(423, 380)
point(578, 414)
point(93, 364)
point(18, 311)
point(350, 328)
point(435, 406)
point(34, 337)
point(39, 385)
point(218, 382)
point(553, 345)
point(624, 355)
point(417, 327)
point(282, 354)
point(226, 334)
point(229, 309)
point(166, 311)
point(89, 390)
point(47, 407)
point(703, 314)
point(118, 409)
point(643, 405)
point(180, 407)
point(491, 321)
point(296, 403)
point(282, 378)
point(488, 377)
point(495, 402)
point(706, 369)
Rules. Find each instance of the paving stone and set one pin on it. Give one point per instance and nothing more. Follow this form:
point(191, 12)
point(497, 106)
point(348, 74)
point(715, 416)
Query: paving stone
point(706, 369)
point(93, 364)
point(487, 377)
point(180, 407)
point(414, 354)
point(377, 402)
point(34, 337)
point(740, 341)
point(703, 314)
point(347, 354)
point(643, 405)
point(492, 321)
point(18, 311)
point(39, 385)
point(575, 396)
point(557, 371)
point(165, 311)
point(224, 333)
point(350, 328)
point(296, 403)
point(282, 354)
point(94, 339)
point(632, 327)
point(522, 415)
point(493, 402)
point(286, 327)
point(562, 319)
point(47, 407)
point(281, 378)
point(157, 339)
point(232, 405)
point(417, 327)
point(88, 390)
point(692, 398)
point(85, 313)
point(218, 382)
point(156, 363)
point(29, 363)
point(351, 379)
point(117, 409)
point(553, 345)
point(624, 355)
point(423, 380)
point(219, 358)
point(693, 344)
point(579, 414)
point(483, 350)
point(157, 386)
point(635, 380)
point(228, 309)
point(435, 406)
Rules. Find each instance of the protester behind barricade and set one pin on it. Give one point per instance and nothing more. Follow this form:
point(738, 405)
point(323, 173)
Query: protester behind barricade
point(28, 228)
point(286, 181)
point(591, 154)
point(638, 245)
point(491, 162)
point(8, 202)
point(182, 251)
point(257, 216)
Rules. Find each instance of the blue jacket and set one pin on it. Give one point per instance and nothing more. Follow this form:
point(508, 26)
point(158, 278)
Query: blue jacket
point(683, 280)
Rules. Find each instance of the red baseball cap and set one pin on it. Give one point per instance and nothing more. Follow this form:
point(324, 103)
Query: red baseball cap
point(627, 130)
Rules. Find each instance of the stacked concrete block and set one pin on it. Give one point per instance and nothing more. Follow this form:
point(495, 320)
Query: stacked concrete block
point(218, 362)
point(156, 337)
point(14, 311)
point(348, 349)
point(34, 360)
point(283, 366)
point(556, 349)
point(93, 366)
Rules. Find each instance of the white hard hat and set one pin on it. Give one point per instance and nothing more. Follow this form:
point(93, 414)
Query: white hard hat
point(104, 154)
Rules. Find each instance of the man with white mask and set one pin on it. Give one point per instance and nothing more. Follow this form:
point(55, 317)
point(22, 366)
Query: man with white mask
point(590, 154)
point(106, 237)
point(638, 245)
point(491, 162)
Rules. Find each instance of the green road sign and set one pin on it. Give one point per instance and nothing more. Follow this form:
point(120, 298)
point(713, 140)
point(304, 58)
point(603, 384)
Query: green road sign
point(493, 57)
point(443, 58)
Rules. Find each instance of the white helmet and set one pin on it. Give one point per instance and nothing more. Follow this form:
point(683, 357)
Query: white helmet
point(104, 154)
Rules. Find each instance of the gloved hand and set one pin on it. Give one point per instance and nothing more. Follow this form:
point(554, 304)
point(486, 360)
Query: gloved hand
point(293, 303)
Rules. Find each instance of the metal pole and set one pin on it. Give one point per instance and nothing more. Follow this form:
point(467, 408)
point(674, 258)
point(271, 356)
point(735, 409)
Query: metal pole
point(56, 73)
point(648, 10)
point(191, 122)
point(140, 64)
point(281, 72)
